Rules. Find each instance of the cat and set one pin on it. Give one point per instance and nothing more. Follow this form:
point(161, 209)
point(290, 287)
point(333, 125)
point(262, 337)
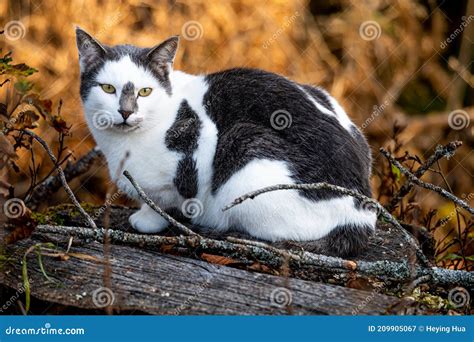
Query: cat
point(204, 140)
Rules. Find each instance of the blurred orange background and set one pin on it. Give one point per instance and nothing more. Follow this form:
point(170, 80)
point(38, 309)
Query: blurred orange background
point(389, 62)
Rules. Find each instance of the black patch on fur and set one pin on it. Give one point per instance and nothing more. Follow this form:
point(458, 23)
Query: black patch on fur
point(316, 147)
point(183, 137)
point(128, 100)
point(186, 177)
point(347, 240)
point(343, 241)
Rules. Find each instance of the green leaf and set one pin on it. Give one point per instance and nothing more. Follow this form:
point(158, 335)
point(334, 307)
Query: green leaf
point(23, 86)
point(16, 70)
point(396, 172)
point(452, 256)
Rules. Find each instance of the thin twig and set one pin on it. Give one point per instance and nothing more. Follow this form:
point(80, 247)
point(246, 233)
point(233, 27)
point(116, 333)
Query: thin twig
point(412, 178)
point(445, 151)
point(343, 191)
point(62, 177)
point(72, 170)
point(156, 208)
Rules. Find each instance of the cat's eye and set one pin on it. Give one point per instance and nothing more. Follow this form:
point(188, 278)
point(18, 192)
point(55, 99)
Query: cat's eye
point(144, 92)
point(108, 88)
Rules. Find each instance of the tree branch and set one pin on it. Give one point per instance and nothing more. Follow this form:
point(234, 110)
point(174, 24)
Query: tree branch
point(71, 171)
point(412, 178)
point(62, 177)
point(441, 151)
point(399, 271)
point(156, 208)
point(381, 211)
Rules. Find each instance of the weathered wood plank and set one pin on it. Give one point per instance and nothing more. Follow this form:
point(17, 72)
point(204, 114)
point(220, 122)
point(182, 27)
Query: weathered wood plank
point(155, 283)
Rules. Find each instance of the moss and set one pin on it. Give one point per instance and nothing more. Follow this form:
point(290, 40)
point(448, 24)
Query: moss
point(88, 207)
point(430, 300)
point(60, 214)
point(50, 217)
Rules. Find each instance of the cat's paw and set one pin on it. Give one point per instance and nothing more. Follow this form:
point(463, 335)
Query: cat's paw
point(147, 221)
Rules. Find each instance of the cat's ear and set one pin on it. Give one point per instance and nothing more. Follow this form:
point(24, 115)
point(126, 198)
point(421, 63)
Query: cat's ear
point(164, 52)
point(90, 50)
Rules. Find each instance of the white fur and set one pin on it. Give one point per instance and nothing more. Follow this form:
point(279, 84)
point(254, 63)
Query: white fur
point(272, 216)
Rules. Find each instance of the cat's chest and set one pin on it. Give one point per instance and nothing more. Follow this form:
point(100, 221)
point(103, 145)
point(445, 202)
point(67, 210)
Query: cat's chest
point(149, 162)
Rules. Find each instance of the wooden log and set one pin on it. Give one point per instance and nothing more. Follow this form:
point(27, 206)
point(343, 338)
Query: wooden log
point(146, 281)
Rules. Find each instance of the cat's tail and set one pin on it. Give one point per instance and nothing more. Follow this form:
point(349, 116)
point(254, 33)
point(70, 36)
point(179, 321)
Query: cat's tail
point(347, 240)
point(343, 241)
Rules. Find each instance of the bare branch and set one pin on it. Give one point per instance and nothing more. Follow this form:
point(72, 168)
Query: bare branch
point(412, 178)
point(340, 190)
point(399, 271)
point(62, 177)
point(156, 208)
point(447, 151)
point(71, 171)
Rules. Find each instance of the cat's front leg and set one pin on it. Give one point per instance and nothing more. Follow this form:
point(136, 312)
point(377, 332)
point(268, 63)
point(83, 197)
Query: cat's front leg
point(146, 220)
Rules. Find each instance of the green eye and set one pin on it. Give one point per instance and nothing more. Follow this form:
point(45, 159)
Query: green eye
point(144, 92)
point(108, 88)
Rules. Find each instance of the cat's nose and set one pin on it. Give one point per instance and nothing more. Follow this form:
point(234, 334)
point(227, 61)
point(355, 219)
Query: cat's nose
point(125, 113)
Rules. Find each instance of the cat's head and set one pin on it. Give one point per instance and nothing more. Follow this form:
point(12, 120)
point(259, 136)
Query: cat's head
point(122, 85)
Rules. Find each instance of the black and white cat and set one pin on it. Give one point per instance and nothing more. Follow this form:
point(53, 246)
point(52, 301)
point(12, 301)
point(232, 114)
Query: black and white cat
point(212, 138)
